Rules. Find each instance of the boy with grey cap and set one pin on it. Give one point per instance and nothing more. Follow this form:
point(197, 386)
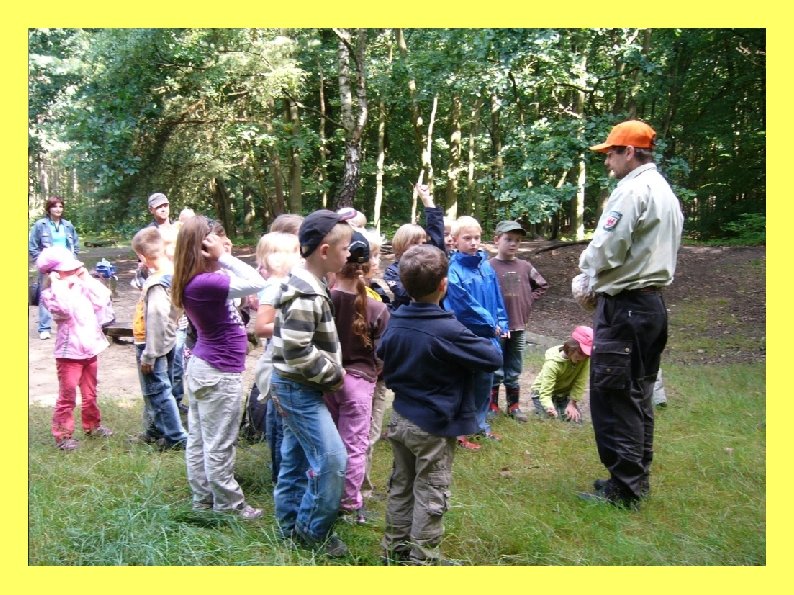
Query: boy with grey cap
point(521, 284)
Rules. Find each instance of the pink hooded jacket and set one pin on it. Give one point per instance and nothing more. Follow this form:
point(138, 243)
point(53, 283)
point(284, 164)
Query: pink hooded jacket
point(74, 304)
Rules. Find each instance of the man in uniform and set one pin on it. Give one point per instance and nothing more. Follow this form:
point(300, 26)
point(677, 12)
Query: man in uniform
point(631, 257)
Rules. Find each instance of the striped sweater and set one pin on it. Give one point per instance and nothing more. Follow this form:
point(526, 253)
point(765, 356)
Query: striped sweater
point(306, 346)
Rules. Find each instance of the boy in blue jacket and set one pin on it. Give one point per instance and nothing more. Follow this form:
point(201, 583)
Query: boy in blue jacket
point(429, 361)
point(473, 295)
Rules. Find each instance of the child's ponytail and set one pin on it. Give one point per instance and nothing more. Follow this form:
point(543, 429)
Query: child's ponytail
point(361, 328)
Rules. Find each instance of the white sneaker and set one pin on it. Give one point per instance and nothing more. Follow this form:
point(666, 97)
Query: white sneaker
point(44, 335)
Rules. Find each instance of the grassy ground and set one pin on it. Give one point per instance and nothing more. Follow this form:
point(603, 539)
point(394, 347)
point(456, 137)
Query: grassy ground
point(513, 503)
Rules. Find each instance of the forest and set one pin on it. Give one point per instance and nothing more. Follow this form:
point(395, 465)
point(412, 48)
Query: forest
point(245, 124)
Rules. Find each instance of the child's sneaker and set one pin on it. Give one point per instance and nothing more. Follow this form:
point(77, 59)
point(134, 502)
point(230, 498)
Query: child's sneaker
point(249, 513)
point(331, 546)
point(467, 444)
point(493, 410)
point(67, 444)
point(99, 432)
point(488, 435)
point(515, 412)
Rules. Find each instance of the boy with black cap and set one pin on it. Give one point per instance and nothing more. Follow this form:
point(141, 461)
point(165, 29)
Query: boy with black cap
point(307, 361)
point(360, 321)
point(521, 284)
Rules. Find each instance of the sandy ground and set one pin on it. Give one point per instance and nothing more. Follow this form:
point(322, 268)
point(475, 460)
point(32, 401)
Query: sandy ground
point(118, 376)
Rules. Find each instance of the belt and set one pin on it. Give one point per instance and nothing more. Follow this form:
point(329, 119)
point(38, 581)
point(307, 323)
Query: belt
point(647, 289)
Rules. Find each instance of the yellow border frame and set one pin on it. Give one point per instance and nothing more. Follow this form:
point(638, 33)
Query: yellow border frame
point(310, 13)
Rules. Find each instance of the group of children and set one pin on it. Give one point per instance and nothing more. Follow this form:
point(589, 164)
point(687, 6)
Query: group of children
point(443, 334)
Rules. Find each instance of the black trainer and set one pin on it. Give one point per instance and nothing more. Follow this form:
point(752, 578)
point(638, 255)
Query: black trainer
point(331, 546)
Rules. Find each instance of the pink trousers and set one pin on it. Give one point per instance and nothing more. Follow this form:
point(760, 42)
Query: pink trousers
point(351, 409)
point(71, 374)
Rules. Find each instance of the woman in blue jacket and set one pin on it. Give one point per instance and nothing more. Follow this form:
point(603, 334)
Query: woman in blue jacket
point(51, 230)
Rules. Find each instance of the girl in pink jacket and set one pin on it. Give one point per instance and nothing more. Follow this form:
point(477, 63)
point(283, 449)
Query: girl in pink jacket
point(75, 300)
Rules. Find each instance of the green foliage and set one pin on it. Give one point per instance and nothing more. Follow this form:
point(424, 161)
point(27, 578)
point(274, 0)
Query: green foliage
point(750, 229)
point(115, 114)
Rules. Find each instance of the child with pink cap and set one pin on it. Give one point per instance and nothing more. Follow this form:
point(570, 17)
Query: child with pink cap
point(560, 386)
point(75, 299)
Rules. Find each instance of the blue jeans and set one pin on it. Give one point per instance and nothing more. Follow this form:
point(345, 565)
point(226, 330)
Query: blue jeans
point(313, 462)
point(274, 433)
point(178, 389)
point(45, 318)
point(161, 416)
point(513, 356)
point(482, 399)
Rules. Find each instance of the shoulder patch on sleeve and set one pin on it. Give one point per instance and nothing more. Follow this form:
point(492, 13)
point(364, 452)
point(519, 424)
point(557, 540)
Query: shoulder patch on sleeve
point(613, 218)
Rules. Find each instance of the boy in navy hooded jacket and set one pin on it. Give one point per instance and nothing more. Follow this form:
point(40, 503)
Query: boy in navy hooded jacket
point(429, 361)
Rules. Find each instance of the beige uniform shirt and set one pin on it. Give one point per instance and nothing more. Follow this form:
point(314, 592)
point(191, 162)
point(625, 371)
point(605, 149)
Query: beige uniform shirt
point(636, 242)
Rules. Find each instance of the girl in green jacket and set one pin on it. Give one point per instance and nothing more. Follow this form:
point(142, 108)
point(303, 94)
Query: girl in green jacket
point(560, 385)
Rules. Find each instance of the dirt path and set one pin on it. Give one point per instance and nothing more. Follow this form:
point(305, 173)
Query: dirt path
point(732, 279)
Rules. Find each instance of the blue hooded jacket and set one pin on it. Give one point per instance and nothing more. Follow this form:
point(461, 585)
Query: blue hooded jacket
point(429, 360)
point(473, 295)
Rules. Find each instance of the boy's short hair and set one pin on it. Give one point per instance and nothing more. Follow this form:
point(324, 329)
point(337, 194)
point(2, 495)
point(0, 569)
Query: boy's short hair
point(461, 222)
point(374, 238)
point(422, 268)
point(318, 228)
point(148, 242)
point(287, 223)
point(278, 252)
point(406, 235)
point(186, 214)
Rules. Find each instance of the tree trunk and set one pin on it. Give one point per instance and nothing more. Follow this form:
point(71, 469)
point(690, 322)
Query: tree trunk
point(454, 160)
point(485, 209)
point(250, 212)
point(379, 166)
point(577, 204)
point(295, 167)
point(416, 117)
point(323, 174)
point(577, 214)
point(471, 185)
point(223, 206)
point(381, 161)
point(427, 164)
point(275, 164)
point(354, 113)
point(635, 82)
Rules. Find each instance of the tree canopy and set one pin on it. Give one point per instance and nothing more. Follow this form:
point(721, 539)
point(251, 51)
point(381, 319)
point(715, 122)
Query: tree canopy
point(245, 124)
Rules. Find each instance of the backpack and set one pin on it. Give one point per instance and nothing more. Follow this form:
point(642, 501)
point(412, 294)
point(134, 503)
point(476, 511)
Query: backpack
point(252, 426)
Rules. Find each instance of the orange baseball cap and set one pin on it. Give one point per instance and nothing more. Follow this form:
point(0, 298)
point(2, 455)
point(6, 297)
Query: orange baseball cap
point(632, 132)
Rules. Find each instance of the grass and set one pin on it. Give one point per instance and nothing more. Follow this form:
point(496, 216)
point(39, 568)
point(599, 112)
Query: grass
point(513, 503)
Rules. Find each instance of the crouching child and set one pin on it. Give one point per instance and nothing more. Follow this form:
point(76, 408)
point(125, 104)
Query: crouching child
point(429, 361)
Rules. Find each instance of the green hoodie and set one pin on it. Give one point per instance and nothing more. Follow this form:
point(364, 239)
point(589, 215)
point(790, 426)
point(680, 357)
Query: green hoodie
point(560, 377)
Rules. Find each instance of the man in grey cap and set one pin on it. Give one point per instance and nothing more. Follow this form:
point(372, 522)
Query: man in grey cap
point(631, 257)
point(160, 210)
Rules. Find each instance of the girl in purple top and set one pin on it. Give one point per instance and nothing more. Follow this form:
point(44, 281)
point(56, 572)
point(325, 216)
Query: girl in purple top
point(206, 280)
